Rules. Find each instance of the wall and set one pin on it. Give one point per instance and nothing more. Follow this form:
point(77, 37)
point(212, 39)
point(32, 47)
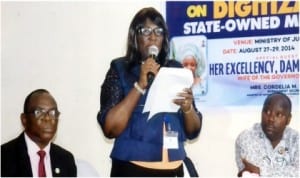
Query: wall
point(66, 47)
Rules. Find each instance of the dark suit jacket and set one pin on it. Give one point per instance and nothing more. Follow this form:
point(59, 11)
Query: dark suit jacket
point(15, 160)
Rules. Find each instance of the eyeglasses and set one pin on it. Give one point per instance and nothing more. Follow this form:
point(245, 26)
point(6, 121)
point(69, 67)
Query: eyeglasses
point(41, 113)
point(146, 31)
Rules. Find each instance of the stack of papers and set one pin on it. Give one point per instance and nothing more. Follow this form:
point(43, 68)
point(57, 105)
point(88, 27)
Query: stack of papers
point(166, 85)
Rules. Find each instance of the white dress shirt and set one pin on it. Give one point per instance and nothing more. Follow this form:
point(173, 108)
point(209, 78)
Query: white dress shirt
point(32, 149)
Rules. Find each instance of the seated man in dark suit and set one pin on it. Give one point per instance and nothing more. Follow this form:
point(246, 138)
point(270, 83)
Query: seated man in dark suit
point(20, 157)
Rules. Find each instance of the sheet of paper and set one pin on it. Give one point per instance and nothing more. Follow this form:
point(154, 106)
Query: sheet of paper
point(166, 85)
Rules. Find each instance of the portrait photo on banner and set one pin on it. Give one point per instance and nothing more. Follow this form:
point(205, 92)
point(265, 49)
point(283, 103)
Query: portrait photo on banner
point(191, 52)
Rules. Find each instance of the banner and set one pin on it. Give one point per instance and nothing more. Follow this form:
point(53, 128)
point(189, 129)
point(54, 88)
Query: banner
point(239, 51)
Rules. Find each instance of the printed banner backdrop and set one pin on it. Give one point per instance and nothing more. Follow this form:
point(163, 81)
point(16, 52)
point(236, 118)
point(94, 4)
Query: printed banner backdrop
point(239, 51)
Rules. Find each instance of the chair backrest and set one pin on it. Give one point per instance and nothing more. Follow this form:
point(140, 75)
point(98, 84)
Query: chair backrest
point(85, 169)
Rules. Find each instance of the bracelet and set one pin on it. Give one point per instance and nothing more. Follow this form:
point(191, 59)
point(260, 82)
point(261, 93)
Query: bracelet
point(139, 89)
point(190, 110)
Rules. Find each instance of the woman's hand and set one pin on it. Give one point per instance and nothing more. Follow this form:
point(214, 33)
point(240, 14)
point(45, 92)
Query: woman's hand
point(147, 66)
point(185, 100)
point(192, 122)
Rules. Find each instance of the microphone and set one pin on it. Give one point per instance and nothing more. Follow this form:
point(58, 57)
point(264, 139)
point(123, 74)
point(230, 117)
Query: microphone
point(152, 52)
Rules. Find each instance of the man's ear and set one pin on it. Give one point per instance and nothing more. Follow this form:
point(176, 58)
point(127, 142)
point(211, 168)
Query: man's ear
point(23, 119)
point(289, 119)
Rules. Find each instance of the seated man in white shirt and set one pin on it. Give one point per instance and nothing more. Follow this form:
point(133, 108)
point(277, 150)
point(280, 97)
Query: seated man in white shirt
point(270, 148)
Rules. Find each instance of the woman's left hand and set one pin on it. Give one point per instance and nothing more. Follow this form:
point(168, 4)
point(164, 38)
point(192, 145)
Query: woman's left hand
point(185, 99)
point(192, 120)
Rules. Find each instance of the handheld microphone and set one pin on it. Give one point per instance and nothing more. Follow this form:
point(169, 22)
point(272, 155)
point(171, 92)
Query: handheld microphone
point(152, 52)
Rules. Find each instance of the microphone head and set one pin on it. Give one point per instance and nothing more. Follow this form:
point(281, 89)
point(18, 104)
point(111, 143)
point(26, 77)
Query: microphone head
point(153, 51)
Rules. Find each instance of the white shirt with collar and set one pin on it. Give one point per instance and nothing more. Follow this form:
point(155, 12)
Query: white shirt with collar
point(32, 149)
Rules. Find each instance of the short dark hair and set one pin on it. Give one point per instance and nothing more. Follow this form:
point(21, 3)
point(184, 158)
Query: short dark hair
point(27, 99)
point(289, 103)
point(133, 53)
